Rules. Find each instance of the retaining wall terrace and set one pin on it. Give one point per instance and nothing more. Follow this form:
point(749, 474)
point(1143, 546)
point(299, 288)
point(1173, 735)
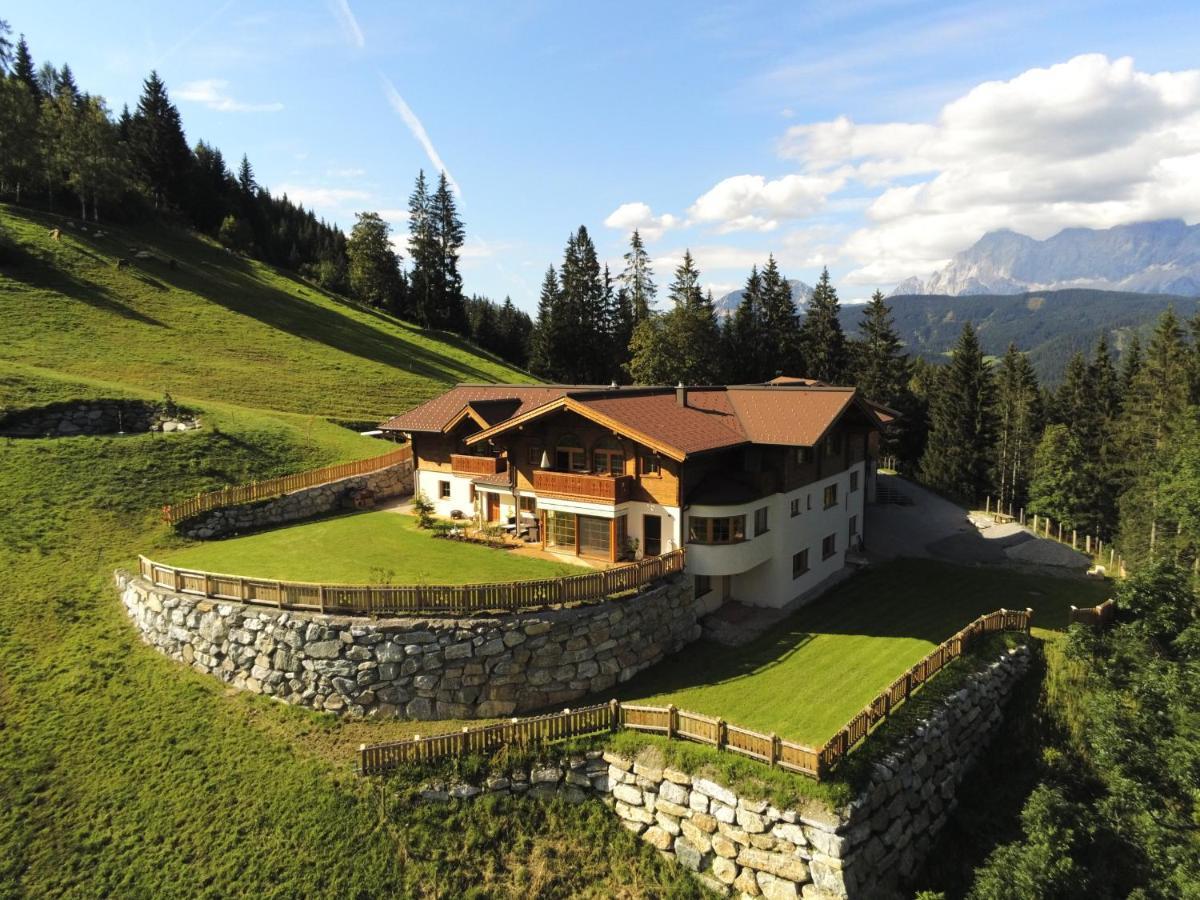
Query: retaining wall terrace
point(419, 668)
point(750, 848)
point(306, 503)
point(101, 416)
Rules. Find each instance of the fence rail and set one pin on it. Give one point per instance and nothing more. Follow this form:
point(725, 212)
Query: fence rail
point(390, 599)
point(275, 487)
point(1098, 616)
point(1104, 553)
point(681, 724)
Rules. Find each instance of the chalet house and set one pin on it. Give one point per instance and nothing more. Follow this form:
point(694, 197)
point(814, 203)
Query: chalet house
point(763, 484)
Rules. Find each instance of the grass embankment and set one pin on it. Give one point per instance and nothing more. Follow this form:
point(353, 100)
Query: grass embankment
point(125, 774)
point(216, 327)
point(808, 675)
point(363, 548)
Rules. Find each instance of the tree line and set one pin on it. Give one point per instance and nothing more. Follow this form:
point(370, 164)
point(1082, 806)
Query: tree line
point(62, 149)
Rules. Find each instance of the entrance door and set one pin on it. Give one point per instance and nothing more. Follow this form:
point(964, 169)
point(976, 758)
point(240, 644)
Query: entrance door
point(652, 535)
point(493, 506)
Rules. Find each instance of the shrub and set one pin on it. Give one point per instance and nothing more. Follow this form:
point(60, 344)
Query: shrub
point(423, 507)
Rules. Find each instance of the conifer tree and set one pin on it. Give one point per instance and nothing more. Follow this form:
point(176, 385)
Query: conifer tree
point(65, 84)
point(245, 178)
point(957, 456)
point(546, 340)
point(1106, 383)
point(19, 150)
point(881, 368)
point(6, 49)
point(1057, 490)
point(160, 151)
point(374, 267)
point(780, 326)
point(25, 71)
point(638, 279)
point(1155, 406)
point(822, 343)
point(449, 308)
point(1073, 399)
point(742, 335)
point(683, 346)
point(1131, 364)
point(1018, 420)
point(649, 355)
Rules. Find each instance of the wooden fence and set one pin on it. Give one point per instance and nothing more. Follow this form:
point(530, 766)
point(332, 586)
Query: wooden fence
point(680, 724)
point(275, 487)
point(390, 599)
point(1104, 553)
point(1098, 616)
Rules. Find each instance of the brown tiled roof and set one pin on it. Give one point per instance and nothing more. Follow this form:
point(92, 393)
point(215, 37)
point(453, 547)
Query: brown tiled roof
point(712, 418)
point(788, 415)
point(707, 422)
point(433, 415)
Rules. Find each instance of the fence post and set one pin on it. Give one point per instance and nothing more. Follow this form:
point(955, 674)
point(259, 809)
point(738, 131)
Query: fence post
point(207, 585)
point(462, 741)
point(722, 734)
point(1073, 547)
point(672, 721)
point(987, 507)
point(321, 596)
point(774, 748)
point(1022, 516)
point(1028, 619)
point(614, 715)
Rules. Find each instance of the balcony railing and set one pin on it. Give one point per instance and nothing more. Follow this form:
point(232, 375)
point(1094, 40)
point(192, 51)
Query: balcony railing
point(462, 464)
point(577, 486)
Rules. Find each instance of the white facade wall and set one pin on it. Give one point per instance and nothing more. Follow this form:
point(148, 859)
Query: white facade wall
point(427, 483)
point(761, 566)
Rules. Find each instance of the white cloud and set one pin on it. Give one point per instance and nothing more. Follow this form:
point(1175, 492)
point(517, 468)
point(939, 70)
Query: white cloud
point(212, 92)
point(314, 196)
point(342, 12)
point(1089, 142)
point(629, 216)
point(753, 203)
point(349, 172)
point(405, 112)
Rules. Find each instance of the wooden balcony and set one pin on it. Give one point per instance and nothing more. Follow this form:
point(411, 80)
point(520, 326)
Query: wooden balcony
point(578, 486)
point(462, 464)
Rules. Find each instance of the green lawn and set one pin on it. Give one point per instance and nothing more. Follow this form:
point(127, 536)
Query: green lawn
point(362, 548)
point(810, 674)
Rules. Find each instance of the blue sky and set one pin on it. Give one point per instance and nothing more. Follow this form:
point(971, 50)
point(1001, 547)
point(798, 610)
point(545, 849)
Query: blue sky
point(877, 137)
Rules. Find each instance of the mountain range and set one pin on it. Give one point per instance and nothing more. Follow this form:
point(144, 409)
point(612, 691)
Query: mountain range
point(1161, 257)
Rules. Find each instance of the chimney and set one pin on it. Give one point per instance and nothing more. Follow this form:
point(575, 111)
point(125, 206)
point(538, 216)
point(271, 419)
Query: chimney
point(681, 394)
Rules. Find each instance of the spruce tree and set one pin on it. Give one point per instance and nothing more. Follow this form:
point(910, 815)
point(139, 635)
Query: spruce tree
point(1106, 383)
point(546, 340)
point(691, 338)
point(1073, 401)
point(19, 137)
point(957, 456)
point(1058, 490)
point(161, 155)
point(1018, 420)
point(25, 71)
point(742, 335)
point(822, 343)
point(1156, 404)
point(374, 266)
point(881, 368)
point(650, 359)
point(245, 177)
point(66, 86)
point(450, 310)
point(423, 253)
point(780, 326)
point(6, 49)
point(1131, 364)
point(638, 279)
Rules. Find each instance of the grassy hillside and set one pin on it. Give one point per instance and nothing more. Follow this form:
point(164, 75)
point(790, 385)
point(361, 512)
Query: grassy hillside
point(125, 774)
point(215, 327)
point(1049, 325)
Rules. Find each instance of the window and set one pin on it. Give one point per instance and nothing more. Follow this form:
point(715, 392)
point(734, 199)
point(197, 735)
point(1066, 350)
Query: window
point(853, 526)
point(853, 482)
point(560, 529)
point(828, 546)
point(703, 585)
point(830, 496)
point(650, 465)
point(760, 521)
point(724, 530)
point(608, 458)
point(569, 455)
point(533, 455)
point(795, 507)
point(810, 501)
point(833, 444)
point(528, 503)
point(594, 536)
point(799, 563)
point(444, 490)
point(803, 456)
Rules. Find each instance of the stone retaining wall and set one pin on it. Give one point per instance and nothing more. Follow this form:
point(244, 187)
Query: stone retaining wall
point(104, 416)
point(750, 848)
point(307, 503)
point(427, 668)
